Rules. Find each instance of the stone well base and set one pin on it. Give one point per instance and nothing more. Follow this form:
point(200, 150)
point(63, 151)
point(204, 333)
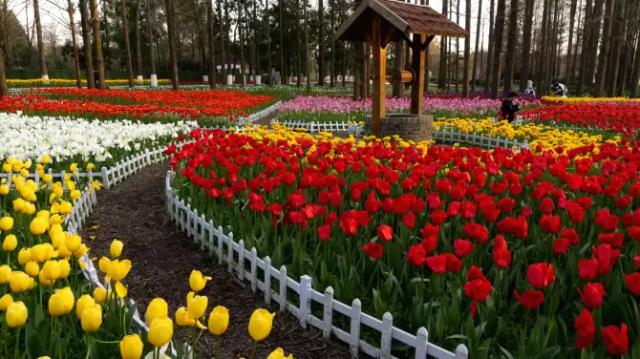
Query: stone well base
point(408, 126)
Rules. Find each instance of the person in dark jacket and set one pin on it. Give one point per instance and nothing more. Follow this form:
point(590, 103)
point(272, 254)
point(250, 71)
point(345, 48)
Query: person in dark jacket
point(509, 107)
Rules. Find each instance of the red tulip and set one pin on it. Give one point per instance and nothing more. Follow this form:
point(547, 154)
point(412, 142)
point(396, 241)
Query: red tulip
point(409, 220)
point(551, 224)
point(416, 255)
point(429, 244)
point(478, 289)
point(592, 294)
point(588, 269)
point(634, 233)
point(477, 232)
point(546, 205)
point(606, 221)
point(501, 254)
point(530, 299)
point(324, 232)
point(454, 264)
point(373, 250)
point(540, 275)
point(633, 283)
point(606, 256)
point(615, 340)
point(437, 263)
point(462, 247)
point(585, 328)
point(385, 232)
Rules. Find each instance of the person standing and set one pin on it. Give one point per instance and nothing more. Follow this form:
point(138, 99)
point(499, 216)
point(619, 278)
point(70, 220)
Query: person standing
point(509, 107)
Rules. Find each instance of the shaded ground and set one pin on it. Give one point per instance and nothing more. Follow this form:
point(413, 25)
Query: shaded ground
point(163, 258)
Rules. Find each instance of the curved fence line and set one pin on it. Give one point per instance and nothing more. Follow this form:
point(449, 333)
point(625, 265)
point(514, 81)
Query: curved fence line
point(245, 264)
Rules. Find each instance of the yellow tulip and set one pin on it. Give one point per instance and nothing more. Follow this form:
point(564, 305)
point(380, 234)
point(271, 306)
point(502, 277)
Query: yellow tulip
point(5, 300)
point(118, 270)
point(131, 347)
point(160, 332)
point(115, 249)
point(197, 281)
point(4, 190)
point(65, 268)
point(24, 255)
point(16, 315)
point(9, 243)
point(218, 320)
point(100, 295)
point(91, 319)
point(5, 274)
point(51, 269)
point(20, 282)
point(183, 318)
point(84, 302)
point(121, 290)
point(279, 354)
point(196, 305)
point(104, 263)
point(61, 302)
point(38, 226)
point(32, 268)
point(65, 207)
point(157, 308)
point(6, 222)
point(73, 242)
point(41, 252)
point(260, 324)
point(75, 194)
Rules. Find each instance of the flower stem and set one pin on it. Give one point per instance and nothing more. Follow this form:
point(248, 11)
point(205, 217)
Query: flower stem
point(253, 350)
point(15, 349)
point(219, 348)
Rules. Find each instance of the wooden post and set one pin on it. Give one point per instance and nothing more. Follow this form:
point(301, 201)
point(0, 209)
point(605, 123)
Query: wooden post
point(417, 65)
point(379, 75)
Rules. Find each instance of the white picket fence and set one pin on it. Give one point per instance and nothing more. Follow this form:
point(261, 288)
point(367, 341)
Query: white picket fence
point(245, 264)
point(259, 115)
point(451, 135)
point(108, 176)
point(315, 127)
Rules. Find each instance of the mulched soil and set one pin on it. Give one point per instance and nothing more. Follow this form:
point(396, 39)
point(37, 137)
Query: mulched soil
point(135, 212)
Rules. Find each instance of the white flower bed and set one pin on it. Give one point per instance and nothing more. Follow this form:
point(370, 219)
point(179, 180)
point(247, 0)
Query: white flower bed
point(71, 139)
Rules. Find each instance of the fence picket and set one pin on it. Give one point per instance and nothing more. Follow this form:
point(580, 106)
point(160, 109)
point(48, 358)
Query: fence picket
point(356, 310)
point(327, 313)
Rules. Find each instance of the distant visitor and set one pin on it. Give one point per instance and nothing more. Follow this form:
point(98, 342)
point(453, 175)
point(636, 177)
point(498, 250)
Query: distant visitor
point(509, 107)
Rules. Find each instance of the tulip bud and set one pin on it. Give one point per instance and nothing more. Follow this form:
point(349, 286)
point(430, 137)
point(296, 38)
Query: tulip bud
point(115, 249)
point(160, 332)
point(38, 226)
point(183, 319)
point(157, 308)
point(260, 324)
point(20, 282)
point(197, 281)
point(196, 305)
point(121, 290)
point(218, 320)
point(24, 255)
point(131, 347)
point(6, 223)
point(61, 302)
point(16, 315)
point(91, 319)
point(83, 303)
point(32, 268)
point(279, 354)
point(100, 295)
point(5, 274)
point(5, 300)
point(9, 243)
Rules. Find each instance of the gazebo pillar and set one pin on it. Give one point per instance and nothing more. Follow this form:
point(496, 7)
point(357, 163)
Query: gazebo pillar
point(417, 65)
point(379, 75)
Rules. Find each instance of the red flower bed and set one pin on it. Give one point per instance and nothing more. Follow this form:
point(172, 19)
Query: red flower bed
point(618, 117)
point(504, 248)
point(137, 103)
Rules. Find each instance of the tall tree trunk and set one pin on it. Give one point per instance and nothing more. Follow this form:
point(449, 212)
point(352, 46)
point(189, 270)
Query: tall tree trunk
point(41, 51)
point(442, 76)
point(332, 67)
point(586, 42)
point(74, 43)
point(6, 47)
point(138, 41)
point(476, 52)
point(617, 37)
point(572, 17)
point(283, 73)
point(86, 41)
point(200, 36)
point(635, 73)
point(127, 45)
point(241, 29)
point(511, 47)
point(266, 19)
point(97, 35)
point(498, 32)
point(152, 52)
point(256, 61)
point(490, 50)
point(456, 60)
point(467, 50)
point(543, 52)
point(307, 50)
point(171, 30)
point(106, 41)
point(525, 61)
point(320, 42)
point(211, 29)
point(576, 46)
point(590, 48)
point(224, 56)
point(4, 90)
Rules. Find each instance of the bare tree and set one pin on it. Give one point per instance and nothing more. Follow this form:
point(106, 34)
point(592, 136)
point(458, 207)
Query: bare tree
point(320, 42)
point(210, 37)
point(467, 50)
point(171, 29)
point(127, 45)
point(74, 43)
point(86, 40)
point(41, 50)
point(490, 50)
point(152, 52)
point(511, 46)
point(4, 90)
point(442, 81)
point(97, 35)
point(497, 48)
point(138, 42)
point(476, 53)
point(526, 43)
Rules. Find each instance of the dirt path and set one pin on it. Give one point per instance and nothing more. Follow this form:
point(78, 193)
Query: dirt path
point(163, 258)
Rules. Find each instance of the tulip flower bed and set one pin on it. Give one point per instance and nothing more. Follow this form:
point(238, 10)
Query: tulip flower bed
point(327, 108)
point(617, 117)
point(209, 107)
point(574, 100)
point(65, 140)
point(27, 83)
point(532, 252)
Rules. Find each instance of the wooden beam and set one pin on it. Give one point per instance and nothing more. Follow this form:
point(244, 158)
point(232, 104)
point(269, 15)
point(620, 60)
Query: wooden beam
point(417, 65)
point(379, 75)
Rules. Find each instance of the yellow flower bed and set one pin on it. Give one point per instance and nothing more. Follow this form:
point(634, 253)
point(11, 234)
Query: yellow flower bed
point(72, 82)
point(575, 100)
point(535, 134)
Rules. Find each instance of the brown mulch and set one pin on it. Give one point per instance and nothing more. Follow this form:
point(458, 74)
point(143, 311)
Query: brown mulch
point(135, 212)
